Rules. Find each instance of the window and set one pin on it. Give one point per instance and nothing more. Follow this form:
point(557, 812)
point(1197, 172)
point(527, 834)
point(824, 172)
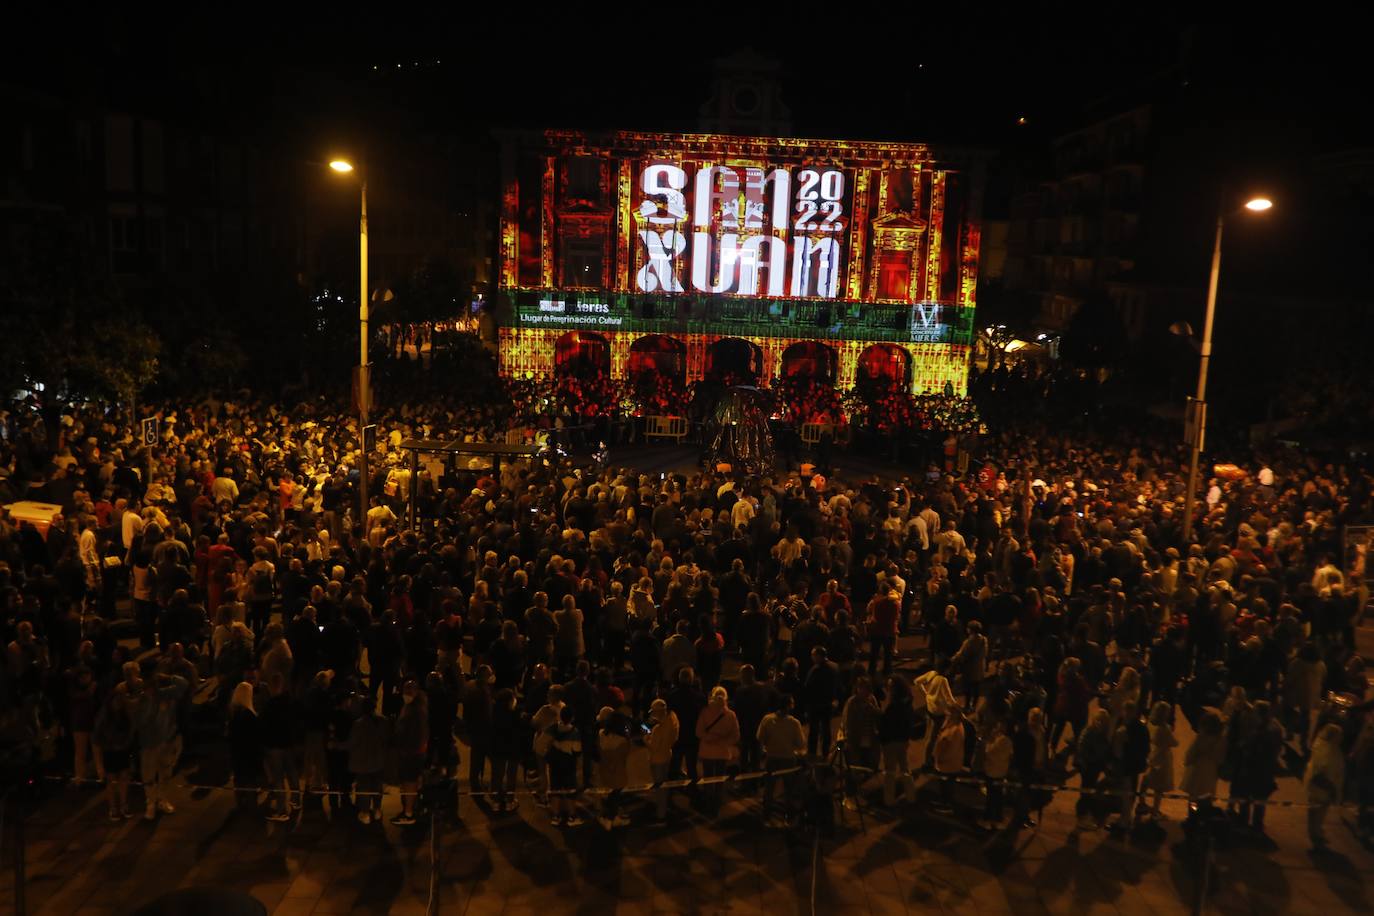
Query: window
point(894, 275)
point(123, 243)
point(584, 179)
point(582, 261)
point(153, 238)
point(122, 237)
point(83, 140)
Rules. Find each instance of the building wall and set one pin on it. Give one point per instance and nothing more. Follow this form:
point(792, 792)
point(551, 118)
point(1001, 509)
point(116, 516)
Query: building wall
point(1075, 230)
point(581, 212)
point(529, 353)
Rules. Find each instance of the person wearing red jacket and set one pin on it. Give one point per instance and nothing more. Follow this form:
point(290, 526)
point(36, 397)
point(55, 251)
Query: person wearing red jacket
point(884, 612)
point(1071, 701)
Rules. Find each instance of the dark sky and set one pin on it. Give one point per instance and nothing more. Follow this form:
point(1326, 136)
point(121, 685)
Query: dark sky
point(882, 75)
point(1265, 100)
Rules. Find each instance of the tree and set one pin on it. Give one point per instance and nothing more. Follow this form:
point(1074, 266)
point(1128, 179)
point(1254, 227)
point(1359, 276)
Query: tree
point(436, 292)
point(66, 334)
point(1001, 318)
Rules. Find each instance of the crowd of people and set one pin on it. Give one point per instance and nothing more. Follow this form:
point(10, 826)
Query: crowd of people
point(219, 590)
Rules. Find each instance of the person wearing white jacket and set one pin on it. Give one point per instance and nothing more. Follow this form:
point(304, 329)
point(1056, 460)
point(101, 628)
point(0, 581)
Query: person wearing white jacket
point(996, 765)
point(934, 687)
point(1324, 780)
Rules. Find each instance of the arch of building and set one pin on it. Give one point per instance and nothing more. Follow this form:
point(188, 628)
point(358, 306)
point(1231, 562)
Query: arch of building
point(657, 354)
point(735, 355)
point(884, 363)
point(581, 353)
point(811, 359)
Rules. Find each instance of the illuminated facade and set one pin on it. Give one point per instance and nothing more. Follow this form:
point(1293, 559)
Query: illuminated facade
point(621, 243)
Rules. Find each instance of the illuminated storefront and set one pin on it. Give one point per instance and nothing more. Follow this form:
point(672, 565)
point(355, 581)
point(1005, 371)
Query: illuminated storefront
point(686, 253)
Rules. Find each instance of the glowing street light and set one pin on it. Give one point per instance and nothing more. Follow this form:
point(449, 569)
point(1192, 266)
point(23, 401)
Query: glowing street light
point(344, 167)
point(1254, 205)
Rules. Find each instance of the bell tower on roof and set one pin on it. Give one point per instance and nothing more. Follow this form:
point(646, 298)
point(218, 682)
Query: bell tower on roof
point(746, 98)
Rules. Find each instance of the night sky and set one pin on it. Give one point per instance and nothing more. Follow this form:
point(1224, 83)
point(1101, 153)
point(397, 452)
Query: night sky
point(868, 76)
point(1277, 105)
point(1259, 105)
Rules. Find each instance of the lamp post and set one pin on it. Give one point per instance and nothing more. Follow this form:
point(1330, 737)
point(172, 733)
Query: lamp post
point(1255, 205)
point(344, 167)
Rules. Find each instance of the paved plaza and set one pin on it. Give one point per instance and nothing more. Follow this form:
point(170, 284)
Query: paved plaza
point(916, 862)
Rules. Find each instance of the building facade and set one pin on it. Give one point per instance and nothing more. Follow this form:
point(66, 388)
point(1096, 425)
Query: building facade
point(743, 258)
point(1073, 231)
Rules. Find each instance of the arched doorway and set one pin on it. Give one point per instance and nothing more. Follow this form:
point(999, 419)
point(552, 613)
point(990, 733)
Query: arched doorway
point(734, 360)
point(658, 355)
point(884, 365)
point(810, 359)
point(581, 354)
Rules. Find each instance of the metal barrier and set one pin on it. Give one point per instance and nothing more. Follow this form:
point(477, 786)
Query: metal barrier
point(674, 428)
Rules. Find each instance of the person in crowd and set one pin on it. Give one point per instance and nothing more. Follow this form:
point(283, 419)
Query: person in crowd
point(718, 734)
point(114, 735)
point(1028, 759)
point(1131, 757)
point(279, 728)
point(441, 704)
point(569, 644)
point(154, 710)
point(686, 701)
point(859, 726)
point(1093, 758)
point(820, 691)
point(245, 745)
point(948, 749)
point(947, 637)
point(1302, 690)
point(997, 753)
point(1072, 698)
point(410, 743)
point(1258, 765)
point(477, 712)
point(970, 661)
point(935, 697)
point(565, 748)
point(1202, 761)
point(82, 708)
point(1072, 568)
point(1159, 773)
point(613, 753)
point(1323, 781)
point(505, 748)
point(752, 701)
point(783, 744)
point(368, 739)
point(884, 614)
point(897, 726)
point(663, 737)
point(542, 720)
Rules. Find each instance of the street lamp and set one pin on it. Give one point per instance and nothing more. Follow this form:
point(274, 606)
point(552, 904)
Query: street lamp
point(1254, 205)
point(344, 167)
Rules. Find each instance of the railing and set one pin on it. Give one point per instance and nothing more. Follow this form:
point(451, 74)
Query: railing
point(666, 428)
